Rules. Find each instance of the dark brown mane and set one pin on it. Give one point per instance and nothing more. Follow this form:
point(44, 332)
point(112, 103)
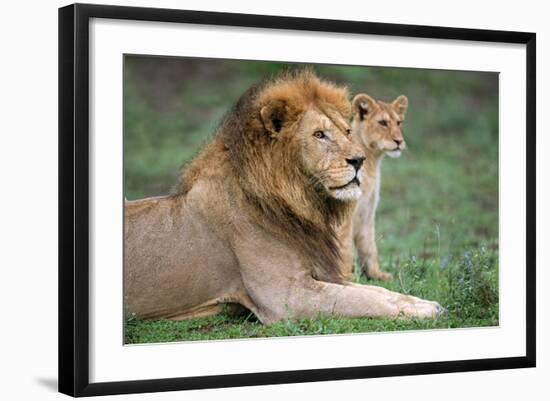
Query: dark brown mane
point(284, 198)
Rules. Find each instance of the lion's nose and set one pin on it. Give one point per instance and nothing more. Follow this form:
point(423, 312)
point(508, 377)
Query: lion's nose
point(398, 141)
point(356, 162)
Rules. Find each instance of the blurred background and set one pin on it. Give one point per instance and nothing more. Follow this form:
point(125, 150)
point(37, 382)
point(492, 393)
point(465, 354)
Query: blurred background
point(439, 201)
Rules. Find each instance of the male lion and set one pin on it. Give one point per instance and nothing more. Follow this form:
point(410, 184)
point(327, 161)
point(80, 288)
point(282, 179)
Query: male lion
point(377, 127)
point(252, 222)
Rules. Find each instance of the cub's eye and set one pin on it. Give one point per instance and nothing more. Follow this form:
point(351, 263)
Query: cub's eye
point(383, 123)
point(348, 131)
point(399, 123)
point(319, 134)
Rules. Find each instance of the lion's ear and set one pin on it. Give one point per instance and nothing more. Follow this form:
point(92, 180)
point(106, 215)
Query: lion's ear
point(273, 116)
point(363, 104)
point(400, 105)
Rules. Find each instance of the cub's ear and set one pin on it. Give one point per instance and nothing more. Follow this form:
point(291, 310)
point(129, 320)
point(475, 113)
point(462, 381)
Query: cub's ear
point(273, 116)
point(363, 104)
point(401, 104)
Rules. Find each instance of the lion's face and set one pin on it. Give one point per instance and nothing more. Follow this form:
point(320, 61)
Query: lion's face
point(378, 124)
point(329, 154)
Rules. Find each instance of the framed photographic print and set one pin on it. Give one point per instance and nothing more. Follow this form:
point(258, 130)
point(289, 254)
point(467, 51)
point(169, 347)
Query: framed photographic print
point(249, 199)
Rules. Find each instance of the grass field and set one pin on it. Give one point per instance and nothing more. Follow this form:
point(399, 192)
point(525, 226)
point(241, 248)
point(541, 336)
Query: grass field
point(437, 223)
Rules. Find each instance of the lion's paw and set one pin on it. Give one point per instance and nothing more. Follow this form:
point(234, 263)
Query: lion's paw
point(413, 307)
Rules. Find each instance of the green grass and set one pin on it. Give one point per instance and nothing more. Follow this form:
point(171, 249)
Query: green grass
point(437, 222)
point(467, 286)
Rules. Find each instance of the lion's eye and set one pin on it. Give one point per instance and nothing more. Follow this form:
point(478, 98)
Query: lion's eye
point(383, 123)
point(348, 131)
point(319, 134)
point(399, 122)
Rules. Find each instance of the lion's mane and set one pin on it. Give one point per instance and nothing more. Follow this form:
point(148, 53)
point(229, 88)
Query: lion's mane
point(279, 195)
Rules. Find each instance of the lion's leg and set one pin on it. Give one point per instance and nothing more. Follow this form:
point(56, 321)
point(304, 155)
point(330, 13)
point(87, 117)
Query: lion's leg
point(358, 300)
point(315, 298)
point(365, 242)
point(204, 310)
point(235, 305)
point(281, 287)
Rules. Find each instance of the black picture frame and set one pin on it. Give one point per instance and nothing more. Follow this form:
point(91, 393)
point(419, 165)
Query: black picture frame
point(74, 198)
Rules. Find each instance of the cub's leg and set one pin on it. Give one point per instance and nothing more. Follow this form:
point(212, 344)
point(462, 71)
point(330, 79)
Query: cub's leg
point(364, 236)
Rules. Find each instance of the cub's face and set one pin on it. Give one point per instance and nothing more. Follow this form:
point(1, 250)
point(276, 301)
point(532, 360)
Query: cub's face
point(378, 124)
point(329, 153)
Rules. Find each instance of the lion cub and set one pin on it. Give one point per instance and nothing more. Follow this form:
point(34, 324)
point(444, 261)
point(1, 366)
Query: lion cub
point(377, 126)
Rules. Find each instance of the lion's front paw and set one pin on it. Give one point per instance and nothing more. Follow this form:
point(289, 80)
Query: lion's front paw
point(419, 308)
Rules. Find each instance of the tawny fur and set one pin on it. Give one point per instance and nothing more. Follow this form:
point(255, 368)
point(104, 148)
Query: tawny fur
point(253, 220)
